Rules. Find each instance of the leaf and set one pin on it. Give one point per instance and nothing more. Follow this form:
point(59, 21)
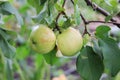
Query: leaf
point(1, 21)
point(89, 64)
point(38, 4)
point(25, 68)
point(7, 33)
point(59, 8)
point(75, 1)
point(108, 18)
point(114, 3)
point(39, 60)
point(111, 55)
point(7, 49)
point(41, 15)
point(86, 39)
point(66, 24)
point(49, 19)
point(108, 2)
point(97, 49)
point(8, 70)
point(2, 66)
point(22, 52)
point(102, 31)
point(51, 57)
point(7, 7)
point(77, 14)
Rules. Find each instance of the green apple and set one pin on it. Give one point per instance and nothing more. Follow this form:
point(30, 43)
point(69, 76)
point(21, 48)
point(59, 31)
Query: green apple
point(42, 39)
point(69, 42)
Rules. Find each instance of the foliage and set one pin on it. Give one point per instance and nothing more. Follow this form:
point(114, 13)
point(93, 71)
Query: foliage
point(99, 54)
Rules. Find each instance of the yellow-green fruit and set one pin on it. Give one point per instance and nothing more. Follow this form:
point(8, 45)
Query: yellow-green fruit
point(69, 42)
point(42, 39)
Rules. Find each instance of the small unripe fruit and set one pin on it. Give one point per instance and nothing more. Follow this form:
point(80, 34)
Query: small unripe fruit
point(69, 42)
point(42, 39)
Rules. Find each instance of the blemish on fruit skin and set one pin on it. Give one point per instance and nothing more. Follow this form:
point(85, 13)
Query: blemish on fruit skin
point(33, 41)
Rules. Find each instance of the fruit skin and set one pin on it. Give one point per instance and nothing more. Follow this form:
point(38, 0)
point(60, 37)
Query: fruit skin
point(42, 39)
point(69, 42)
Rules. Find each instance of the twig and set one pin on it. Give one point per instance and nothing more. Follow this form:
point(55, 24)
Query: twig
point(97, 8)
point(88, 22)
point(85, 23)
point(72, 2)
point(101, 10)
point(62, 12)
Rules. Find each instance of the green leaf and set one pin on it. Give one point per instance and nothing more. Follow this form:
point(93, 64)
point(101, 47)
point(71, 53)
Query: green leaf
point(66, 24)
point(7, 49)
point(89, 64)
point(7, 7)
point(59, 8)
point(102, 31)
point(51, 57)
point(108, 18)
point(26, 68)
point(41, 15)
point(38, 4)
point(22, 52)
point(77, 15)
point(86, 39)
point(111, 55)
point(114, 3)
point(8, 70)
point(108, 2)
point(8, 33)
point(75, 1)
point(39, 59)
point(1, 21)
point(2, 66)
point(117, 77)
point(97, 49)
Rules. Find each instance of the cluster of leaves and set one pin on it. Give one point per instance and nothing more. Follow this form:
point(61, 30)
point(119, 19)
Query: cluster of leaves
point(101, 57)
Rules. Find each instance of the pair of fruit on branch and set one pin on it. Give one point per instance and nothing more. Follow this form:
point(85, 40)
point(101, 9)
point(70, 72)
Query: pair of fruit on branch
point(43, 40)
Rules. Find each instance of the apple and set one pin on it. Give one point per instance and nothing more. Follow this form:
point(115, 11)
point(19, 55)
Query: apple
point(69, 42)
point(42, 39)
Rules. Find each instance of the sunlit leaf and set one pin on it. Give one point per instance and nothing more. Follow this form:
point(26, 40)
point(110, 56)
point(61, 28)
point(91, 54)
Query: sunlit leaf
point(77, 15)
point(102, 31)
point(59, 8)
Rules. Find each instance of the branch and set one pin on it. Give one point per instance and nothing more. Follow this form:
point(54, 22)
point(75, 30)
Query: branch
point(88, 22)
point(100, 10)
point(72, 2)
point(62, 12)
point(85, 22)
